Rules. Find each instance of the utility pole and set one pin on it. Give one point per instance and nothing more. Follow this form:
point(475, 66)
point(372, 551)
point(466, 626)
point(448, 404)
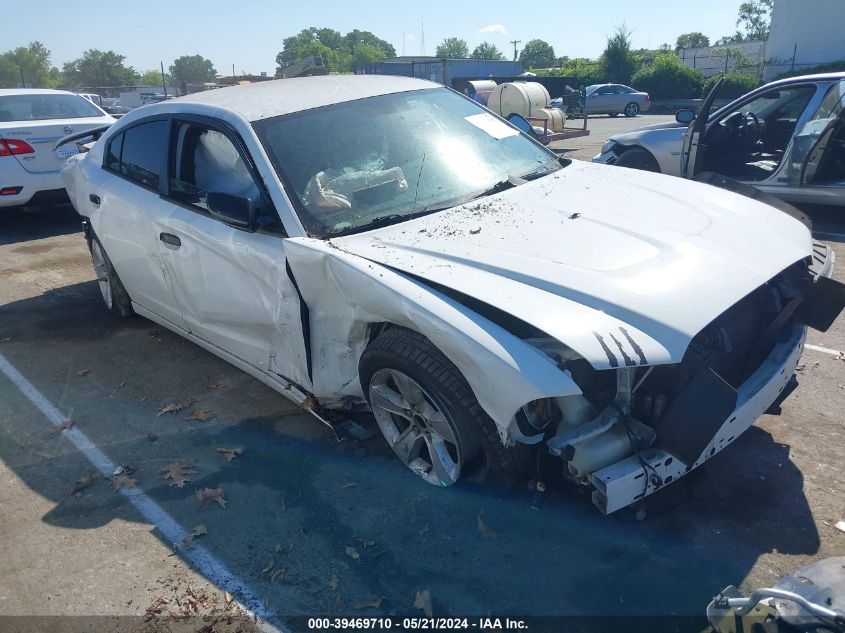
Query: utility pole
point(163, 80)
point(515, 42)
point(233, 70)
point(23, 81)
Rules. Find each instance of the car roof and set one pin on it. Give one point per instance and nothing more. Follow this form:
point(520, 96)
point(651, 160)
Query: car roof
point(33, 91)
point(802, 78)
point(266, 99)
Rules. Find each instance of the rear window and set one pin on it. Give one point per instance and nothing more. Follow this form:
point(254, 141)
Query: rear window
point(42, 107)
point(138, 152)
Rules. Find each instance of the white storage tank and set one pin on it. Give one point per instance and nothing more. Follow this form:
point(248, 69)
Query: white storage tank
point(523, 97)
point(554, 117)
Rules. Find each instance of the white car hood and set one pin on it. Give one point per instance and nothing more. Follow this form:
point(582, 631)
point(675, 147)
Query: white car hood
point(623, 266)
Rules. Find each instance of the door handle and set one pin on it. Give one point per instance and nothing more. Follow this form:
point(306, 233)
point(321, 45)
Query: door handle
point(94, 198)
point(169, 238)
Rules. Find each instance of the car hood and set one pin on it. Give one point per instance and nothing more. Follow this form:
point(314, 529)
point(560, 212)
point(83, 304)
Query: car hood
point(623, 266)
point(634, 134)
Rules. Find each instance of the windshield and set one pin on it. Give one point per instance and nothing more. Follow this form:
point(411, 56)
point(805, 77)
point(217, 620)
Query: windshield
point(360, 164)
point(41, 107)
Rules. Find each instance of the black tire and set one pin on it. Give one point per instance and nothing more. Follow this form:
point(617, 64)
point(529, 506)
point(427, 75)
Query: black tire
point(489, 462)
point(613, 114)
point(114, 293)
point(632, 110)
point(638, 158)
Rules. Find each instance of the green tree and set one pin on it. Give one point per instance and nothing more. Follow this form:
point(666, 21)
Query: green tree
point(754, 18)
point(537, 54)
point(99, 68)
point(31, 61)
point(356, 38)
point(486, 50)
point(367, 54)
point(453, 47)
point(153, 78)
point(618, 61)
point(668, 78)
point(192, 69)
point(692, 40)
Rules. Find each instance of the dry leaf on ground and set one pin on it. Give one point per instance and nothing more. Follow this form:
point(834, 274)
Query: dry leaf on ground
point(199, 530)
point(486, 531)
point(173, 407)
point(82, 372)
point(423, 601)
point(229, 453)
point(178, 473)
point(352, 553)
point(229, 598)
point(372, 603)
point(206, 495)
point(201, 414)
point(123, 481)
point(86, 480)
point(215, 386)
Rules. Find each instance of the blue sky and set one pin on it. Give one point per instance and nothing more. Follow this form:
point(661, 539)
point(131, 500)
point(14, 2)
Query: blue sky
point(249, 33)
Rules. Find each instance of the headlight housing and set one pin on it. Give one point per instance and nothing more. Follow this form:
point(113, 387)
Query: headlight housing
point(608, 146)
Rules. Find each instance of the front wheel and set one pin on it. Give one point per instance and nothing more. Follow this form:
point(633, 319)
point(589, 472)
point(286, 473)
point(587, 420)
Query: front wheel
point(638, 158)
point(632, 109)
point(114, 294)
point(429, 415)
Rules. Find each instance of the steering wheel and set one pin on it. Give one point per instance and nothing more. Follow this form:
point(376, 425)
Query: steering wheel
point(749, 130)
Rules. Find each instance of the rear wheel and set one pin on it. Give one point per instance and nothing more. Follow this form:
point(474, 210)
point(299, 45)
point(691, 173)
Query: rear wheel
point(638, 158)
point(114, 294)
point(632, 109)
point(429, 415)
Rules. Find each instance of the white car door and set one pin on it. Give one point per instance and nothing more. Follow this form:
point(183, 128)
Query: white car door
point(233, 284)
point(127, 192)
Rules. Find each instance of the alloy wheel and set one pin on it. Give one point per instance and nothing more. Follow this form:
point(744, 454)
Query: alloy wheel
point(417, 429)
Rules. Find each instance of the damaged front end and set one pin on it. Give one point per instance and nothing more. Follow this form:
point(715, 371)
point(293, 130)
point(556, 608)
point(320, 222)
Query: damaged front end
point(636, 429)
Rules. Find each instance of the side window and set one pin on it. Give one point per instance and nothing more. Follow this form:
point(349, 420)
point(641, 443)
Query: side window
point(113, 155)
point(138, 152)
point(206, 160)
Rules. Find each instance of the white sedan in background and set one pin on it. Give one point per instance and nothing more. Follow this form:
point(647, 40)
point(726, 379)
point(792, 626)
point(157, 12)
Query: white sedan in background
point(31, 121)
point(385, 243)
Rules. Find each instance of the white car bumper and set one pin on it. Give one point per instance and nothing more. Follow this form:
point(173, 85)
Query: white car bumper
point(13, 175)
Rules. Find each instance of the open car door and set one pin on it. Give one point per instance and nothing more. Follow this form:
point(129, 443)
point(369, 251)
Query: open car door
point(692, 152)
point(817, 157)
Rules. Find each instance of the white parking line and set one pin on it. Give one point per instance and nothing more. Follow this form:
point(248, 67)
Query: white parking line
point(825, 350)
point(203, 561)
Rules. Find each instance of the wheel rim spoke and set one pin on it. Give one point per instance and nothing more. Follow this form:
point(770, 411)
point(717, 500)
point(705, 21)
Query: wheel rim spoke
point(408, 444)
point(437, 423)
point(384, 397)
point(410, 391)
point(445, 468)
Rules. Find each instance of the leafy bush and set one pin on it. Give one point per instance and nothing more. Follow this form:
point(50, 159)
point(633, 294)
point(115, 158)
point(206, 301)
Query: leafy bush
point(833, 67)
point(581, 74)
point(736, 85)
point(668, 78)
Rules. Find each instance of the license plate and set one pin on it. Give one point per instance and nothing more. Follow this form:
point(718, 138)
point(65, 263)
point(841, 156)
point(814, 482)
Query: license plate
point(67, 150)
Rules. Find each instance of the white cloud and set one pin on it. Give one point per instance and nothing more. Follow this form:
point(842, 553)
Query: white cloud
point(498, 29)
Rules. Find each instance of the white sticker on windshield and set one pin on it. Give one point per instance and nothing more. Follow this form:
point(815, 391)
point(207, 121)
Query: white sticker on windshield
point(493, 126)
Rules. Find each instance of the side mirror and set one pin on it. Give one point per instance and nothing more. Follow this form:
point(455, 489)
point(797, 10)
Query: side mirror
point(232, 210)
point(685, 116)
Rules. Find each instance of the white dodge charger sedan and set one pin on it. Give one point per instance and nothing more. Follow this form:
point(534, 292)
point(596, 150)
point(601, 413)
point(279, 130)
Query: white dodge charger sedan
point(385, 243)
point(31, 121)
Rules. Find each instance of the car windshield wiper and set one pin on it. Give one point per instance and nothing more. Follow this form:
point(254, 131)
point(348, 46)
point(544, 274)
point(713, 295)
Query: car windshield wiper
point(382, 220)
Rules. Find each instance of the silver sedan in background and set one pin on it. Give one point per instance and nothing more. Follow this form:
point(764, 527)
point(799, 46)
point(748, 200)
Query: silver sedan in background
point(615, 98)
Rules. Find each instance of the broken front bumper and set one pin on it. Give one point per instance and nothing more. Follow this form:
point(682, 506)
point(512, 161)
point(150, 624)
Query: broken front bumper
point(636, 477)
